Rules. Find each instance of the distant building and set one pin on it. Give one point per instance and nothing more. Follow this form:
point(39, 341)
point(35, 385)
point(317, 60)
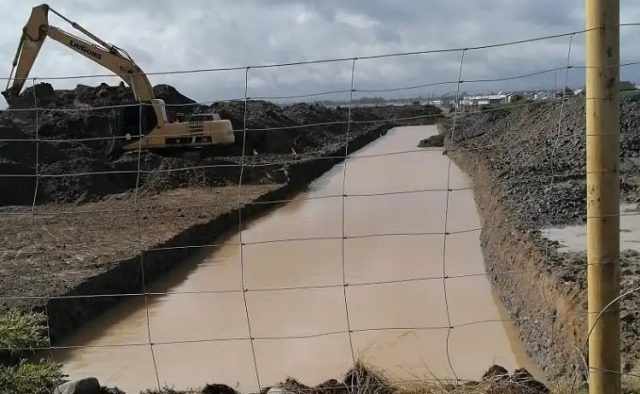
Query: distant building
point(627, 89)
point(563, 94)
point(511, 97)
point(541, 95)
point(626, 86)
point(480, 100)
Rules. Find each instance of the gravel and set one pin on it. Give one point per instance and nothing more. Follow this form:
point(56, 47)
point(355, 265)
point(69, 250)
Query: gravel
point(535, 156)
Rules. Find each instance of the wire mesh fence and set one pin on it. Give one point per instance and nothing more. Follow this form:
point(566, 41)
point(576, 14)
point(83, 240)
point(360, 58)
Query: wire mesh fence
point(279, 282)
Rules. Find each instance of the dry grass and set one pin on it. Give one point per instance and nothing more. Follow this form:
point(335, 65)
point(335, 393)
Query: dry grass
point(33, 378)
point(20, 332)
point(364, 379)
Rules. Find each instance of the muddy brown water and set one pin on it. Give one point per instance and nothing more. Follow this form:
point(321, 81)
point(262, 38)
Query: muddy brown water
point(400, 326)
point(574, 238)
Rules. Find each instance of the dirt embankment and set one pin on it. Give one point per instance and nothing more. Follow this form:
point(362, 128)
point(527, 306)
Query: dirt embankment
point(363, 379)
point(80, 171)
point(529, 174)
point(93, 233)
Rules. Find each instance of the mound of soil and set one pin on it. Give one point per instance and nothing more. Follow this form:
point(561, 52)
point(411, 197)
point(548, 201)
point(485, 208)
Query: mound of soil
point(538, 153)
point(529, 164)
point(81, 171)
point(433, 141)
point(364, 380)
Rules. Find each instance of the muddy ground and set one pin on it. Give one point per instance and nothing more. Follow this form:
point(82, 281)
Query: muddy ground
point(62, 169)
point(58, 248)
point(91, 230)
point(363, 379)
point(528, 165)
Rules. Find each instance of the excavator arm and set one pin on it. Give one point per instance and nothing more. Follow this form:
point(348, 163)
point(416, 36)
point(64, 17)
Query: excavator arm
point(143, 127)
point(106, 55)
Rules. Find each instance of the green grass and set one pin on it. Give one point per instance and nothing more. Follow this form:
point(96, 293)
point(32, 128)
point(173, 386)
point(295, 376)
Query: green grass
point(33, 378)
point(20, 331)
point(20, 334)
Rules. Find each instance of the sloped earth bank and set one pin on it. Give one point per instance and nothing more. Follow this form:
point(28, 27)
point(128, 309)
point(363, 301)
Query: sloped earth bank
point(92, 234)
point(95, 248)
point(365, 380)
point(528, 166)
point(74, 142)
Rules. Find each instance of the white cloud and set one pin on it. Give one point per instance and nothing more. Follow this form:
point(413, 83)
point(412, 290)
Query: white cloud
point(163, 35)
point(303, 17)
point(355, 21)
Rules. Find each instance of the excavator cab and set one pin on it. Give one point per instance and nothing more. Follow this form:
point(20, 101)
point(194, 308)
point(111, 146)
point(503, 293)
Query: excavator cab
point(135, 121)
point(128, 125)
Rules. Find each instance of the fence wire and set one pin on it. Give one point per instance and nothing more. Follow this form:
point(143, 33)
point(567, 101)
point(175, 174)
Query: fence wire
point(240, 227)
point(342, 215)
point(246, 162)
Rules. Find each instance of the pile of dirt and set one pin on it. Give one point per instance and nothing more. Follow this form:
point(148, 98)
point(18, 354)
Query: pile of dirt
point(529, 164)
point(103, 95)
point(75, 130)
point(537, 152)
point(434, 141)
point(362, 379)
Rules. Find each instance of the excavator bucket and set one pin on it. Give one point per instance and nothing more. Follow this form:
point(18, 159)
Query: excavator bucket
point(10, 97)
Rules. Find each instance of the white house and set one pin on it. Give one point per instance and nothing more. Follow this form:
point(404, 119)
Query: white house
point(480, 100)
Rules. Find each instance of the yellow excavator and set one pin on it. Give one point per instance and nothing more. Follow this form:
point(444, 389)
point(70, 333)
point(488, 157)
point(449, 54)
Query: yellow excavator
point(142, 126)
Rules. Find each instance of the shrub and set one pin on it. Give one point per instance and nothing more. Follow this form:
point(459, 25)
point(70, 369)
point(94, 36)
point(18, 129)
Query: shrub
point(20, 334)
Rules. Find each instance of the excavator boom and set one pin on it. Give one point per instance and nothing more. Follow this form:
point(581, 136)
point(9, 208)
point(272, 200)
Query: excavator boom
point(110, 57)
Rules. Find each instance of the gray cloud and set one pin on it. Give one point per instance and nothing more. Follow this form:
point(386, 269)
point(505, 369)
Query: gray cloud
point(163, 35)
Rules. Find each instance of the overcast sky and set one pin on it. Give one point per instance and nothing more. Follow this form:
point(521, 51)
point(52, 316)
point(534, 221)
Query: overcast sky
point(164, 35)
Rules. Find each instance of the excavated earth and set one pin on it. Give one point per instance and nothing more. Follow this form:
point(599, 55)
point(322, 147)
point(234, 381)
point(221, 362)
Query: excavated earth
point(76, 223)
point(73, 171)
point(366, 380)
point(528, 166)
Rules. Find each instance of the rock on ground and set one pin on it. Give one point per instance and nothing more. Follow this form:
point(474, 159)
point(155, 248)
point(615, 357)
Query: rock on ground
point(82, 386)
